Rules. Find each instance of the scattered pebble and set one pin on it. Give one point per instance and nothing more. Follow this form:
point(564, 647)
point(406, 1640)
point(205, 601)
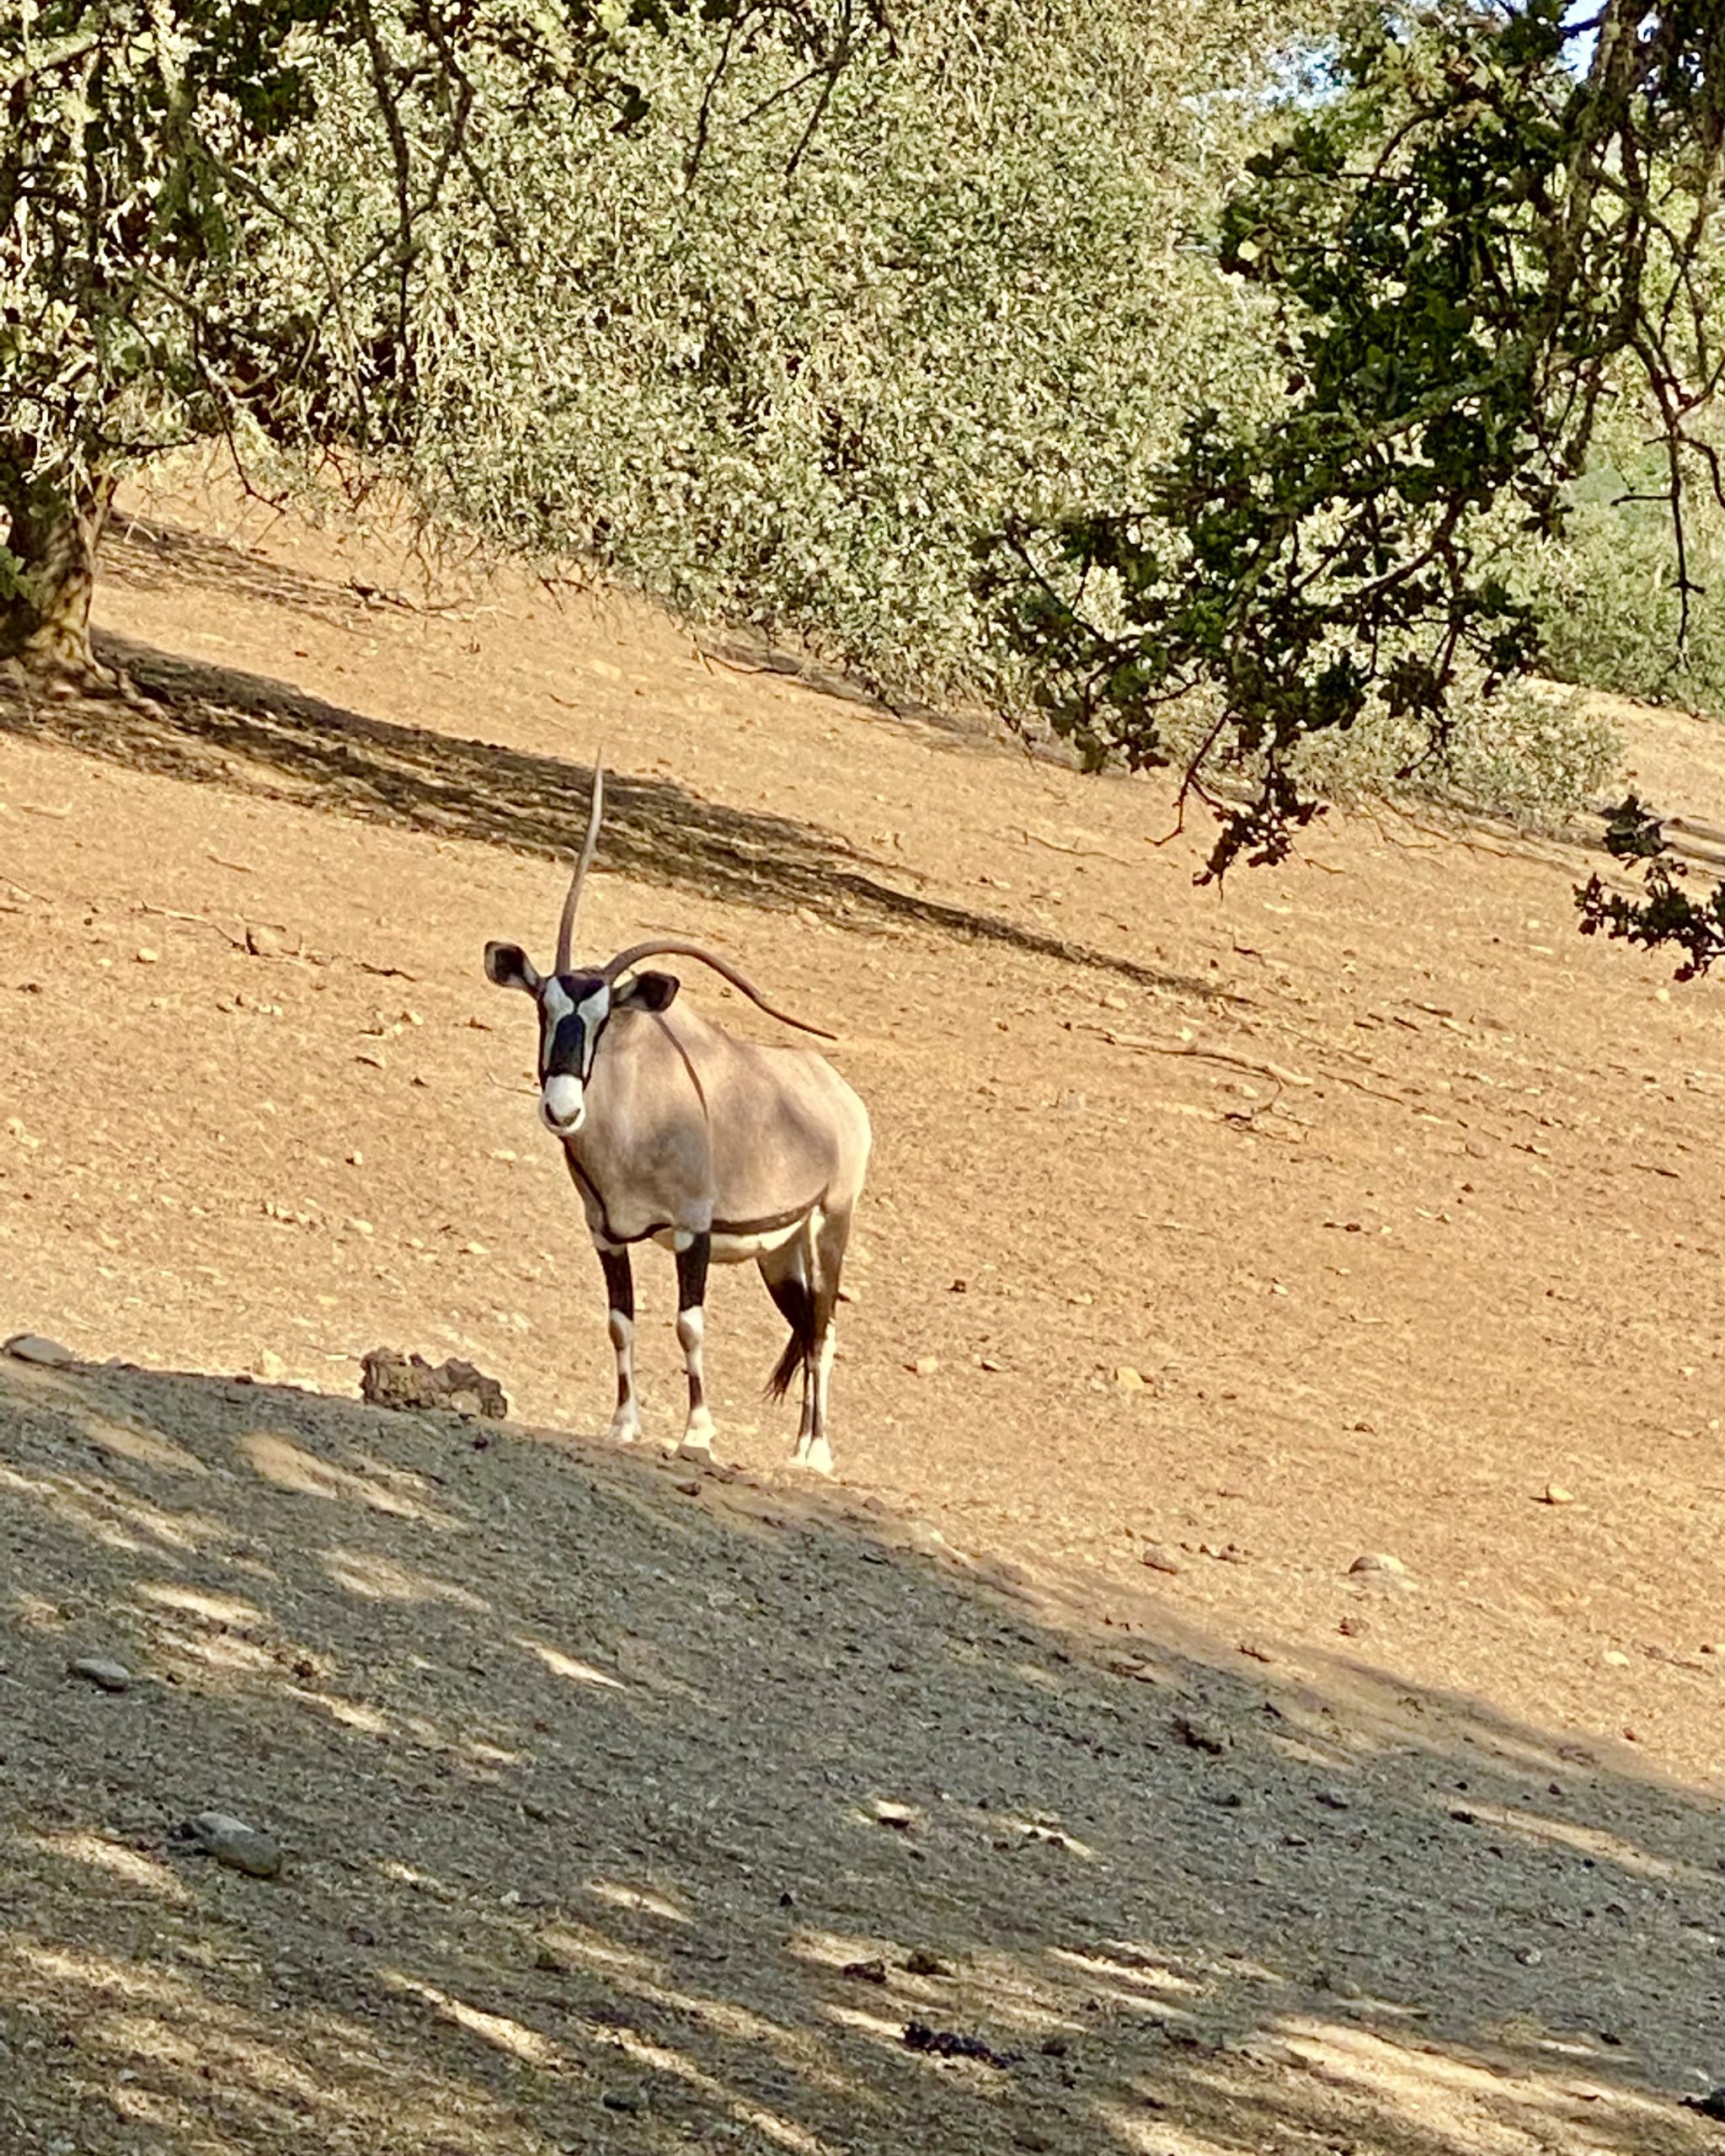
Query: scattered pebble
point(925, 1366)
point(1556, 1494)
point(97, 1670)
point(33, 1347)
point(1378, 1561)
point(146, 957)
point(232, 1842)
point(901, 1816)
point(1159, 1557)
point(1128, 1379)
point(1354, 1628)
point(872, 1972)
point(1614, 1659)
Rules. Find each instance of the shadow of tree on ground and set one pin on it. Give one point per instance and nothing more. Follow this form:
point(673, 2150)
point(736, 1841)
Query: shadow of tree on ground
point(629, 1808)
point(215, 725)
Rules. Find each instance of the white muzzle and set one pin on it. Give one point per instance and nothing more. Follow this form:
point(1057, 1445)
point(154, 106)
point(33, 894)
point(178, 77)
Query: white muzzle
point(563, 1105)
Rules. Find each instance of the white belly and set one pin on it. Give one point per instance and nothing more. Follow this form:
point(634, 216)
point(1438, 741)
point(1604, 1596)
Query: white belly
point(733, 1250)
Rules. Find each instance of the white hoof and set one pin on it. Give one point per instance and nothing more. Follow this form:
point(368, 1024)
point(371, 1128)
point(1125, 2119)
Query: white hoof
point(697, 1440)
point(623, 1433)
point(814, 1456)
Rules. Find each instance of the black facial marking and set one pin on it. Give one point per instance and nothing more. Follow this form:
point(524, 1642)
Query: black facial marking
point(567, 1049)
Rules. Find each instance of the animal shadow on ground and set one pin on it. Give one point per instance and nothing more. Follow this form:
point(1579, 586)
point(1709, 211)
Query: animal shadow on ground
point(629, 1809)
point(216, 725)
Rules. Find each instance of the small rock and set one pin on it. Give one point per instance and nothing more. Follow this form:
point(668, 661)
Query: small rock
point(409, 1381)
point(919, 1962)
point(1556, 1494)
point(872, 1971)
point(1614, 1659)
point(232, 1842)
point(269, 1366)
point(146, 957)
point(1198, 1736)
point(1378, 1561)
point(624, 2099)
point(925, 1366)
point(264, 942)
point(1159, 1557)
point(1354, 1628)
point(32, 1347)
point(1332, 1800)
point(1529, 1956)
point(96, 1670)
point(1128, 1379)
point(900, 1815)
point(952, 2043)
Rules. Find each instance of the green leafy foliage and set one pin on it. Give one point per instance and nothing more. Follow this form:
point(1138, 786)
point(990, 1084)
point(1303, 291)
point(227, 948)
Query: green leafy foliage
point(1663, 912)
point(161, 280)
point(786, 379)
point(1465, 242)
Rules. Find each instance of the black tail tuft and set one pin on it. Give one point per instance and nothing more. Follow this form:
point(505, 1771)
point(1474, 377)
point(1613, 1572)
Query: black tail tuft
point(798, 1304)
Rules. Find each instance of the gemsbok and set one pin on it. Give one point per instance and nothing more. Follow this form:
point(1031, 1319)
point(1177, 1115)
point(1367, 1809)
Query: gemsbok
point(721, 1149)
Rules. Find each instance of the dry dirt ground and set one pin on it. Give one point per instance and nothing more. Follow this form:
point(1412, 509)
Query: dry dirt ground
point(1401, 1197)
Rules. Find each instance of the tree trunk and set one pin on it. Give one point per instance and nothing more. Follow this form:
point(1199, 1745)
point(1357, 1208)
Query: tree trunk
point(45, 624)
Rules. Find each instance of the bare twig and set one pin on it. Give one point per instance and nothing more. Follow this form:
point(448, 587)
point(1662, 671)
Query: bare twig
point(1277, 1073)
point(1078, 852)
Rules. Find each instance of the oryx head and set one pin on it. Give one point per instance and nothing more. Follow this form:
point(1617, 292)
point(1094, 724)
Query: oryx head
point(576, 1006)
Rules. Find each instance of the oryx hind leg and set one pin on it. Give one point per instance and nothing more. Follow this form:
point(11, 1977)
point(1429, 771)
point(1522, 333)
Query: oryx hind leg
point(804, 1280)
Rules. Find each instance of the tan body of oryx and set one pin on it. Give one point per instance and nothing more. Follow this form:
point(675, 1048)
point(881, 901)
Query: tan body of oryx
point(675, 1132)
point(690, 1131)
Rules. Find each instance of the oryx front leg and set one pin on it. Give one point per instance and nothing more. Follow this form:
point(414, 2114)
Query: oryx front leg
point(692, 1261)
point(620, 1290)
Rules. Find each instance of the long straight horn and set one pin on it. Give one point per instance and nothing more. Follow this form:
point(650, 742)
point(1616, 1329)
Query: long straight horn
point(636, 951)
point(566, 926)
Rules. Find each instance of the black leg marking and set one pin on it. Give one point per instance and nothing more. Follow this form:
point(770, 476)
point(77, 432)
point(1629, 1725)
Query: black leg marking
point(619, 1281)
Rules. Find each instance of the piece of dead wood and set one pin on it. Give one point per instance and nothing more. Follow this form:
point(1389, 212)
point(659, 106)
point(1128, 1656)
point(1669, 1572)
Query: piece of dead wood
point(201, 919)
point(1277, 1073)
point(1077, 852)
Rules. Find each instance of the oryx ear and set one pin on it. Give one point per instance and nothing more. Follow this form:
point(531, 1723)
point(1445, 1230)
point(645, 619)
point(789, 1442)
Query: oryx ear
point(649, 992)
point(508, 966)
